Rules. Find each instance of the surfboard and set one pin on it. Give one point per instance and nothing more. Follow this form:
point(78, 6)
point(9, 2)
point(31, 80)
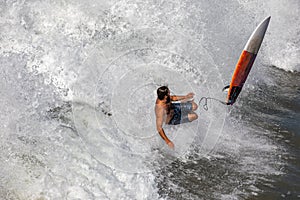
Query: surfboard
point(246, 61)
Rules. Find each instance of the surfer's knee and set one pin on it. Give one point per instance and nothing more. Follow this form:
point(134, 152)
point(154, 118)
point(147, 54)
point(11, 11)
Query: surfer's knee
point(194, 106)
point(192, 116)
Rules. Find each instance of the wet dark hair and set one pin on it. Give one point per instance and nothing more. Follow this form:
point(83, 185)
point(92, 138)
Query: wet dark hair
point(162, 92)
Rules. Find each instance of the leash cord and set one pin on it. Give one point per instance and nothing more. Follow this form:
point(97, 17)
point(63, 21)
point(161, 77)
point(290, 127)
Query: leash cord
point(205, 107)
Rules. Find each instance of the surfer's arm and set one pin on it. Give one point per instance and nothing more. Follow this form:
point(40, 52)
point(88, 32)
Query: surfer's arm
point(163, 135)
point(159, 122)
point(180, 98)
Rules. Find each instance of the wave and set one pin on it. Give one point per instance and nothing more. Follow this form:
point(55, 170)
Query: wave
point(79, 83)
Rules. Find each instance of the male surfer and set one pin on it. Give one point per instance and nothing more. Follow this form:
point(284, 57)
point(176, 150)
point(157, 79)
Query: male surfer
point(173, 113)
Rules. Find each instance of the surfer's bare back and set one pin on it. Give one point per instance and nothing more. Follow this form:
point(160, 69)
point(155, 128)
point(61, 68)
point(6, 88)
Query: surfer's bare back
point(173, 113)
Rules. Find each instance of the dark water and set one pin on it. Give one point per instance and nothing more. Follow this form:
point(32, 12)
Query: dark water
point(283, 110)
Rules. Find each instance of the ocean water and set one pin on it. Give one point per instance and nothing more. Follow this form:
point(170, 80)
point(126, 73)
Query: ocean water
point(78, 82)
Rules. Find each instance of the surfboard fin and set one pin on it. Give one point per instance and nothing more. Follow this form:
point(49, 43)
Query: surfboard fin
point(226, 88)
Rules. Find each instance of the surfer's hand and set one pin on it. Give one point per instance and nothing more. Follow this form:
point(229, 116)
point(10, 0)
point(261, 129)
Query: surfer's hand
point(190, 95)
point(170, 144)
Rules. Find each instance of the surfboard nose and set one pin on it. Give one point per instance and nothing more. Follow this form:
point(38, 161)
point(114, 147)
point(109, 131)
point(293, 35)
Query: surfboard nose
point(257, 36)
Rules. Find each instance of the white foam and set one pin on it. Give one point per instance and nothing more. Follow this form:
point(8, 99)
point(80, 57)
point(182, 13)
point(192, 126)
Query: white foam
point(53, 52)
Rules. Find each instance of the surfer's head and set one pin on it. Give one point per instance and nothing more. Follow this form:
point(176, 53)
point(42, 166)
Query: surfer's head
point(162, 92)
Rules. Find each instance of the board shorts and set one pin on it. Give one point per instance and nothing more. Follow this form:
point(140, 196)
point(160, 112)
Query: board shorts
point(181, 111)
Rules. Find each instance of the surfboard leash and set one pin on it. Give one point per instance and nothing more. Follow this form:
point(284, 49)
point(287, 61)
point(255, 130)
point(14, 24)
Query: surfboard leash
point(205, 107)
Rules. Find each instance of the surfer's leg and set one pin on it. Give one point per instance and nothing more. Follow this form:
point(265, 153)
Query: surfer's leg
point(176, 114)
point(187, 114)
point(189, 106)
point(192, 116)
point(194, 106)
point(188, 117)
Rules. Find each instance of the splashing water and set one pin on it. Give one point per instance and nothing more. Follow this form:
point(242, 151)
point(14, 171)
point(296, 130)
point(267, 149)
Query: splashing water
point(78, 83)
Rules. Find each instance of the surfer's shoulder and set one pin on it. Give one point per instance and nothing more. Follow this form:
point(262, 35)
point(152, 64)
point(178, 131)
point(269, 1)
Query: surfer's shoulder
point(159, 106)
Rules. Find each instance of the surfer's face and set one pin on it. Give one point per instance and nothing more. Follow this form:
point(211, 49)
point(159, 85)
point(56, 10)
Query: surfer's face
point(168, 99)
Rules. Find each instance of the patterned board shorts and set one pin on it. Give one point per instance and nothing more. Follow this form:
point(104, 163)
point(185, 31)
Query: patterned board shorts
point(181, 111)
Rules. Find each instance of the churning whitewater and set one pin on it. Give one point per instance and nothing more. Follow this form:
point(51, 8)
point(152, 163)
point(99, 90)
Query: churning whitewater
point(78, 88)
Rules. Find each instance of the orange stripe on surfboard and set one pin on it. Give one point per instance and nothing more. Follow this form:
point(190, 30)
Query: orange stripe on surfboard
point(242, 69)
point(240, 75)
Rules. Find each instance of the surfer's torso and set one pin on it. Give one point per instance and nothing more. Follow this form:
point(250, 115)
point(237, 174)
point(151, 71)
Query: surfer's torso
point(167, 111)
